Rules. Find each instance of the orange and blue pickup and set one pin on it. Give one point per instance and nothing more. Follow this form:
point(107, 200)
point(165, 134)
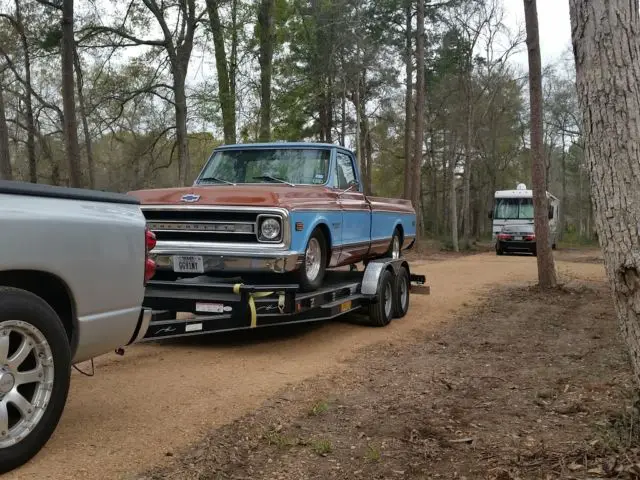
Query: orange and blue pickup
point(275, 208)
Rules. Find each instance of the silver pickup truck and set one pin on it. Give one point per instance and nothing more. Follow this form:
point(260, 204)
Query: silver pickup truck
point(73, 268)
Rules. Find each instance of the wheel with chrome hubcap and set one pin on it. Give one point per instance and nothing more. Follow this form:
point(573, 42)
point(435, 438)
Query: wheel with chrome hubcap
point(35, 367)
point(395, 247)
point(382, 309)
point(314, 263)
point(401, 302)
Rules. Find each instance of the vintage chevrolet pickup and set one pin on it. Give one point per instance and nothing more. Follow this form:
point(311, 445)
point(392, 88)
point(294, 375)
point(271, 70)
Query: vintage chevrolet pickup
point(296, 208)
point(73, 269)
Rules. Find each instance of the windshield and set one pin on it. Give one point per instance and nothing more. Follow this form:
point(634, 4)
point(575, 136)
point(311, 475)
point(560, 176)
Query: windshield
point(270, 165)
point(513, 208)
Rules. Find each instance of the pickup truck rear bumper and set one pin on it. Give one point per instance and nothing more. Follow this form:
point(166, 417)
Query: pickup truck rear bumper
point(144, 319)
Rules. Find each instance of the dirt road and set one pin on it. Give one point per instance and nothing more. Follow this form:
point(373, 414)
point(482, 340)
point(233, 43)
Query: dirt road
point(157, 398)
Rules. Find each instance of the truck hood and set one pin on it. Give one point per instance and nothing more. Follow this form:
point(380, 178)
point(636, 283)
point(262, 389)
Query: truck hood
point(270, 195)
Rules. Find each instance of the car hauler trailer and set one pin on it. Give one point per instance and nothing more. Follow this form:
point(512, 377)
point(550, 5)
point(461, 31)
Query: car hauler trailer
point(381, 291)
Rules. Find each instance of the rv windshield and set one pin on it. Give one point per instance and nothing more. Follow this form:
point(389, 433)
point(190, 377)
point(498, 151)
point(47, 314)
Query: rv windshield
point(513, 208)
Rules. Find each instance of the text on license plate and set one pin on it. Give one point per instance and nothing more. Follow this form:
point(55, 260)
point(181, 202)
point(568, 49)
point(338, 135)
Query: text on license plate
point(517, 238)
point(345, 306)
point(188, 264)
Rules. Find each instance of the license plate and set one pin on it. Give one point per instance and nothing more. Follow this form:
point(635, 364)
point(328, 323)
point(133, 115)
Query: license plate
point(345, 307)
point(517, 238)
point(209, 307)
point(188, 264)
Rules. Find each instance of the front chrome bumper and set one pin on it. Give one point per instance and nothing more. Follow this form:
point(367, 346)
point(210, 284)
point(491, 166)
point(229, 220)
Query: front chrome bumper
point(241, 260)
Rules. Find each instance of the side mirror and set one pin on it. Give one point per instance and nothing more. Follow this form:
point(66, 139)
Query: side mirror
point(491, 215)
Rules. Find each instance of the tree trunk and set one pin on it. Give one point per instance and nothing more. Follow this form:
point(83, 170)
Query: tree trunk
point(453, 208)
point(408, 103)
point(562, 220)
point(83, 116)
point(31, 127)
point(466, 187)
point(184, 161)
point(5, 156)
point(267, 37)
point(68, 96)
point(546, 266)
point(607, 58)
point(227, 97)
point(416, 170)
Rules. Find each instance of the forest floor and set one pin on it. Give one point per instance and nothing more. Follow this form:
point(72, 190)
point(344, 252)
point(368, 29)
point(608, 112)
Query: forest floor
point(485, 378)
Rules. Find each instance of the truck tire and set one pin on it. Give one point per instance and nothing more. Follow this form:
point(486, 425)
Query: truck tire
point(381, 311)
point(395, 247)
point(401, 293)
point(35, 367)
point(314, 264)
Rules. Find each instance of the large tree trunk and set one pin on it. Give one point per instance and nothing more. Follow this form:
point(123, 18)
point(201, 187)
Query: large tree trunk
point(607, 57)
point(5, 156)
point(563, 195)
point(225, 81)
point(416, 182)
point(546, 265)
point(85, 123)
point(408, 102)
point(267, 37)
point(466, 186)
point(68, 96)
point(184, 163)
point(31, 127)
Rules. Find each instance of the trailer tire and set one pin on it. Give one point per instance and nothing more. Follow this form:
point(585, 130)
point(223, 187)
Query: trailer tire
point(402, 292)
point(25, 317)
point(382, 310)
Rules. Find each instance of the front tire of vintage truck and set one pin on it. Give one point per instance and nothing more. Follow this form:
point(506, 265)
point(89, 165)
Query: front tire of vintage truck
point(35, 371)
point(314, 263)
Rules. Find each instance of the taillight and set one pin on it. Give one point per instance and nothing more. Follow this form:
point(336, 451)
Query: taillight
point(149, 265)
point(504, 236)
point(530, 238)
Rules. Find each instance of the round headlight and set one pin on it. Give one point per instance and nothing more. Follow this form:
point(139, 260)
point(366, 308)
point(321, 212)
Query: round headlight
point(270, 229)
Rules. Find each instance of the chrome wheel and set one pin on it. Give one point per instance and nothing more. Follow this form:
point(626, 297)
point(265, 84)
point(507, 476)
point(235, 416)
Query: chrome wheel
point(313, 259)
point(395, 247)
point(26, 380)
point(388, 300)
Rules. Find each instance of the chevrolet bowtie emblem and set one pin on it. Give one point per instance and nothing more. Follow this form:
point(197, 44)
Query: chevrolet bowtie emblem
point(190, 198)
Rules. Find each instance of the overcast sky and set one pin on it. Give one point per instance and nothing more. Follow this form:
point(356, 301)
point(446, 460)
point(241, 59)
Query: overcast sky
point(554, 24)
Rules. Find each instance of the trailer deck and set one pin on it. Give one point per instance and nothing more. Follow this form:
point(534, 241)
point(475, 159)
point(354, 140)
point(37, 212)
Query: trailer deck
point(219, 305)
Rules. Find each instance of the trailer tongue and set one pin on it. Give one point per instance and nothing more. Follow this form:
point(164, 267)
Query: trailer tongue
point(217, 305)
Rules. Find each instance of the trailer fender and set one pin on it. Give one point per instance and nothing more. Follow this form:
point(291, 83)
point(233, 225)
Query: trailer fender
point(373, 273)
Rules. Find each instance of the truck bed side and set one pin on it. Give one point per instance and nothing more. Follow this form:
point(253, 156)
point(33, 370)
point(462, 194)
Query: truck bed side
point(387, 213)
point(93, 242)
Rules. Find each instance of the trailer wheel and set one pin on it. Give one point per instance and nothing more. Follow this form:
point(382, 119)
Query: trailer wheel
point(401, 291)
point(35, 370)
point(381, 311)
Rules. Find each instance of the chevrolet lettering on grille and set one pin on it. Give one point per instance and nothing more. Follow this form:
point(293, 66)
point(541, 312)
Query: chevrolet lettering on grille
point(203, 227)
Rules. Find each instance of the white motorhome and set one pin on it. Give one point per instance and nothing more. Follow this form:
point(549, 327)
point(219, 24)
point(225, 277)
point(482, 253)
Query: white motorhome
point(515, 207)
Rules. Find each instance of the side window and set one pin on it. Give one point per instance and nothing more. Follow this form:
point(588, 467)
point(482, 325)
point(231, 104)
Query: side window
point(345, 171)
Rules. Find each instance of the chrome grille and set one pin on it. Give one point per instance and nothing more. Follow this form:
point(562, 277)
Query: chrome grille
point(203, 225)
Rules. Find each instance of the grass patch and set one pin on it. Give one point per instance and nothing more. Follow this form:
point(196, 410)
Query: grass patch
point(319, 408)
point(373, 454)
point(322, 447)
point(280, 440)
point(621, 431)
